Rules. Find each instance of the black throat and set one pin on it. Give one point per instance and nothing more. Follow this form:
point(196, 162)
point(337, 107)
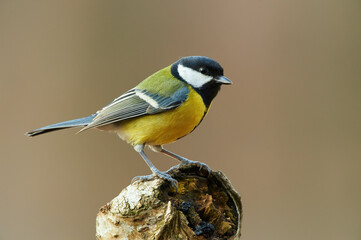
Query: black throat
point(208, 92)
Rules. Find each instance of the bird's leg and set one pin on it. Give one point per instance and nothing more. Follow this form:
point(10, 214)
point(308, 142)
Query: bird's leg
point(183, 160)
point(155, 171)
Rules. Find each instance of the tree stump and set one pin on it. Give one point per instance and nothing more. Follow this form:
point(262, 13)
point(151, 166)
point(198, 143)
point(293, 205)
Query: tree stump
point(204, 206)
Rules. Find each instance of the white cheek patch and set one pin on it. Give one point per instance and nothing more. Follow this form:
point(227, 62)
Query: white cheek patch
point(194, 78)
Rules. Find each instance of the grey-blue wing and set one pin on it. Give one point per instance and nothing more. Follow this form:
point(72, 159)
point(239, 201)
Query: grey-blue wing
point(135, 103)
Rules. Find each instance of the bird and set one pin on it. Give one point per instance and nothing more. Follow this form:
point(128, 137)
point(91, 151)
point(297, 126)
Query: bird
point(161, 109)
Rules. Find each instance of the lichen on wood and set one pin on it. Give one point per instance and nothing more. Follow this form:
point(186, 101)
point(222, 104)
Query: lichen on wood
point(204, 206)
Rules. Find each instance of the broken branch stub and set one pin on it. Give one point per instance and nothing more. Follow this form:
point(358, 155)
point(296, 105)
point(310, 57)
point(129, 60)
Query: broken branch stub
point(203, 207)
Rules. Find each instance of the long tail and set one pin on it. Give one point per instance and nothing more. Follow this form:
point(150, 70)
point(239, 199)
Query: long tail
point(80, 122)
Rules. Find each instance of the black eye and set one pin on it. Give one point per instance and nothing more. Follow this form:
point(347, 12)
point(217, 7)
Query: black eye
point(203, 70)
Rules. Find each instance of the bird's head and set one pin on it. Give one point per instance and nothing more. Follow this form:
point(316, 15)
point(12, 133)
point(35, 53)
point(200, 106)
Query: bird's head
point(199, 71)
point(204, 74)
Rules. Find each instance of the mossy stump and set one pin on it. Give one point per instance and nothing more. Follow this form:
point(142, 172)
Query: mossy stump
point(203, 207)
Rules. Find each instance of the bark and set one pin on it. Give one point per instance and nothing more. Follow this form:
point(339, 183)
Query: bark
point(202, 207)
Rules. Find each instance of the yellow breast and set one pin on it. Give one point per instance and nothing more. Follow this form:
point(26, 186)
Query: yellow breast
point(165, 127)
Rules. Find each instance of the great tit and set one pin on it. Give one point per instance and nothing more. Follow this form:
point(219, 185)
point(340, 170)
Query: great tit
point(164, 107)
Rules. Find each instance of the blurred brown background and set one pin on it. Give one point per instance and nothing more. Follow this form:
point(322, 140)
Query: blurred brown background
point(287, 133)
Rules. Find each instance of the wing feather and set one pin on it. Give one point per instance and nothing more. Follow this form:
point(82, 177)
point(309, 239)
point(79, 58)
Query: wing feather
point(135, 103)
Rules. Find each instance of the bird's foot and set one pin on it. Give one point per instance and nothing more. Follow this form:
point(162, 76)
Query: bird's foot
point(157, 174)
point(143, 178)
point(198, 164)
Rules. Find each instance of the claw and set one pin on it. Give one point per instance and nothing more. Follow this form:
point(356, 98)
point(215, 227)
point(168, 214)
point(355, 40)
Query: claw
point(159, 174)
point(198, 164)
point(143, 178)
point(167, 177)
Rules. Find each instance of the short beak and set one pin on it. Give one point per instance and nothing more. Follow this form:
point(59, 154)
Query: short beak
point(223, 80)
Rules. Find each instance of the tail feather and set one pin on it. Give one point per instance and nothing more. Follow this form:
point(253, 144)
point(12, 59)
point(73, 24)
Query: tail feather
point(80, 122)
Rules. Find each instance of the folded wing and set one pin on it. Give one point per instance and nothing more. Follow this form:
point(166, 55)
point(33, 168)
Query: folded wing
point(135, 103)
